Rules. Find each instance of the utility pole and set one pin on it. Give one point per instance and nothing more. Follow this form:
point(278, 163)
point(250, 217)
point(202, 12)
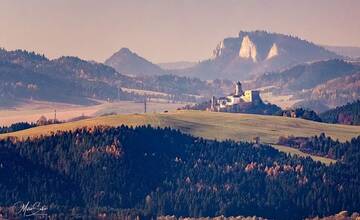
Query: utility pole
point(119, 90)
point(145, 104)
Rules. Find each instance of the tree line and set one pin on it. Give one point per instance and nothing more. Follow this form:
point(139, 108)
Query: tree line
point(152, 171)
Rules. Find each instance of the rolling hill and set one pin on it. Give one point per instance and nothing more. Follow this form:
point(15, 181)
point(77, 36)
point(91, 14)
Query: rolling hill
point(317, 85)
point(212, 125)
point(26, 75)
point(17, 84)
point(333, 93)
point(305, 76)
point(338, 91)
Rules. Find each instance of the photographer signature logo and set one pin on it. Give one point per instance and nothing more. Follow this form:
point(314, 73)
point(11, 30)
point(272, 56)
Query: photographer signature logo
point(30, 209)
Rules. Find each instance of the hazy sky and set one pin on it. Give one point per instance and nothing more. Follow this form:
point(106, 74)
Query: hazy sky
point(167, 30)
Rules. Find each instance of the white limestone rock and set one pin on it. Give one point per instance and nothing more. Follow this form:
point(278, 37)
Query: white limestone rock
point(248, 49)
point(218, 50)
point(273, 52)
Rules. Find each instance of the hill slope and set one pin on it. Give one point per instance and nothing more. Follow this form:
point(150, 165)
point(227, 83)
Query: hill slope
point(306, 76)
point(318, 85)
point(333, 93)
point(338, 91)
point(212, 125)
point(347, 114)
point(27, 75)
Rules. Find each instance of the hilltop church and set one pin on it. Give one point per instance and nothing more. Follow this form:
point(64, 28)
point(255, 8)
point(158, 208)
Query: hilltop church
point(237, 100)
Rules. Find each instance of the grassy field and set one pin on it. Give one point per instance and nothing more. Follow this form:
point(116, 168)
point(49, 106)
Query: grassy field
point(293, 151)
point(32, 111)
point(214, 125)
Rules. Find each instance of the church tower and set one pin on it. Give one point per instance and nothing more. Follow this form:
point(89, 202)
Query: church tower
point(238, 89)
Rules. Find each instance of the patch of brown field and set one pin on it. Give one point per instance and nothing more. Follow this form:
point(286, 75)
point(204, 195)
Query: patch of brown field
point(32, 111)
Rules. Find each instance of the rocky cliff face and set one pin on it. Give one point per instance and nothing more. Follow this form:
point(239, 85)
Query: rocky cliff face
point(253, 53)
point(248, 49)
point(273, 52)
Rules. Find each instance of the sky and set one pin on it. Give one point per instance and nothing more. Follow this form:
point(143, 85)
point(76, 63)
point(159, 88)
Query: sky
point(167, 30)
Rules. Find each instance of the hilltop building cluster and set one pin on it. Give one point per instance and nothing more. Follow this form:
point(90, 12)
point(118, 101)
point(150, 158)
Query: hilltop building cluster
point(239, 99)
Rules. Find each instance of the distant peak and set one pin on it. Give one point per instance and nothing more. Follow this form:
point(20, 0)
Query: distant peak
point(130, 63)
point(125, 50)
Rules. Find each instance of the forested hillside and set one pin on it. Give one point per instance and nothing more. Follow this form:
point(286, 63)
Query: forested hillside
point(339, 91)
point(318, 85)
point(27, 76)
point(333, 93)
point(306, 76)
point(164, 172)
point(347, 114)
point(16, 127)
point(181, 85)
point(323, 146)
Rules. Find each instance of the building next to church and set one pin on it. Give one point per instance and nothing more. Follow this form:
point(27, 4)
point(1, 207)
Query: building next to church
point(239, 99)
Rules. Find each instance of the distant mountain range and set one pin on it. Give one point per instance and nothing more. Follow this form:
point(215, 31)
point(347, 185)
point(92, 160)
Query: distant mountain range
point(26, 75)
point(253, 53)
point(236, 58)
point(352, 52)
point(282, 63)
